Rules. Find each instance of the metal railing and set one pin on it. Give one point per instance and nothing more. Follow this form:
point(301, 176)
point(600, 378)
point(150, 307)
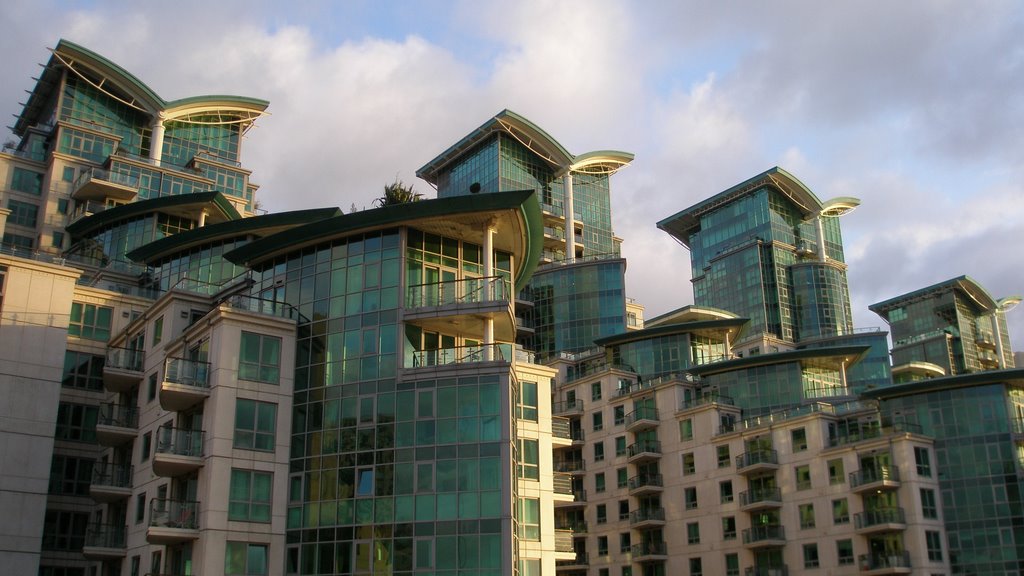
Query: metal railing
point(187, 372)
point(652, 548)
point(567, 406)
point(179, 441)
point(462, 291)
point(646, 515)
point(881, 473)
point(749, 497)
point(569, 465)
point(641, 414)
point(105, 535)
point(644, 446)
point(757, 457)
point(112, 475)
point(460, 355)
point(167, 513)
point(646, 480)
point(119, 178)
point(869, 518)
point(883, 561)
point(706, 398)
point(560, 428)
point(562, 483)
point(118, 416)
point(762, 533)
point(124, 359)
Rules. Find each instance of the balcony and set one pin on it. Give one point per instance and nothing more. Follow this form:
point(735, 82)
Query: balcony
point(562, 487)
point(570, 466)
point(642, 419)
point(172, 521)
point(643, 451)
point(880, 520)
point(186, 383)
point(99, 184)
point(579, 563)
point(878, 564)
point(178, 451)
point(579, 500)
point(105, 542)
point(647, 518)
point(873, 479)
point(446, 306)
point(574, 528)
point(650, 551)
point(761, 499)
point(460, 356)
point(646, 484)
point(561, 435)
point(122, 369)
point(116, 425)
point(110, 482)
point(767, 571)
point(568, 408)
point(563, 540)
point(764, 536)
point(757, 461)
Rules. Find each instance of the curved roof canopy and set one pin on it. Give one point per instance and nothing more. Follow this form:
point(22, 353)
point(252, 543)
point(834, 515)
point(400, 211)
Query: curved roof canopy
point(690, 313)
point(219, 209)
point(830, 357)
point(537, 140)
point(515, 216)
point(965, 284)
point(703, 327)
point(118, 83)
point(685, 222)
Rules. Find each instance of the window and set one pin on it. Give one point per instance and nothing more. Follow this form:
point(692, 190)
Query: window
point(810, 555)
point(69, 475)
point(529, 518)
point(598, 451)
point(90, 321)
point(623, 509)
point(724, 460)
point(623, 477)
point(69, 174)
point(844, 550)
point(620, 445)
point(689, 466)
point(140, 507)
point(685, 430)
point(22, 213)
point(934, 542)
point(64, 531)
point(598, 418)
point(836, 475)
point(799, 438)
point(728, 528)
point(151, 388)
point(693, 533)
point(690, 496)
point(602, 514)
point(840, 511)
point(725, 491)
point(528, 401)
point(627, 571)
point(260, 358)
point(620, 414)
point(696, 568)
point(158, 330)
point(245, 559)
point(255, 425)
point(529, 459)
point(602, 545)
point(924, 466)
point(18, 241)
point(595, 391)
point(250, 495)
point(27, 181)
point(62, 205)
point(806, 516)
point(136, 564)
point(57, 239)
point(83, 370)
point(928, 507)
point(732, 564)
point(599, 482)
point(76, 422)
point(147, 446)
point(364, 481)
point(803, 477)
point(625, 542)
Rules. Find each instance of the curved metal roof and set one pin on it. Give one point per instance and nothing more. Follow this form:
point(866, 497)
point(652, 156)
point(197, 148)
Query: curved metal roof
point(178, 204)
point(965, 284)
point(702, 326)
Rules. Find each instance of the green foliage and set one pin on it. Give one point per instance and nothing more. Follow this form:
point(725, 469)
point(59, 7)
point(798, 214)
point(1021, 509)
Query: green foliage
point(397, 193)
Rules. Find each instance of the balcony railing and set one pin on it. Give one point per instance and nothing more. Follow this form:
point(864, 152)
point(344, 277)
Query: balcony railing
point(567, 407)
point(464, 291)
point(569, 465)
point(179, 442)
point(701, 400)
point(166, 513)
point(581, 560)
point(562, 483)
point(641, 414)
point(644, 446)
point(118, 416)
point(560, 428)
point(652, 548)
point(885, 561)
point(646, 480)
point(105, 535)
point(764, 495)
point(187, 372)
point(124, 359)
point(757, 457)
point(767, 571)
point(112, 475)
point(763, 533)
point(563, 540)
point(647, 515)
point(881, 473)
point(870, 518)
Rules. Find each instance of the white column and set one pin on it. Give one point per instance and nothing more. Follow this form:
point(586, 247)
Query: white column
point(156, 140)
point(728, 346)
point(202, 217)
point(489, 275)
point(999, 339)
point(570, 223)
point(842, 374)
point(818, 222)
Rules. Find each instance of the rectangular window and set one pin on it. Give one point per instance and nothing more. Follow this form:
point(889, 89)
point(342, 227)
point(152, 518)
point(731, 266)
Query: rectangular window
point(255, 425)
point(18, 241)
point(840, 511)
point(598, 418)
point(685, 430)
point(595, 391)
point(799, 438)
point(140, 507)
point(625, 542)
point(27, 181)
point(151, 388)
point(83, 370)
point(76, 422)
point(844, 550)
point(620, 414)
point(90, 321)
point(725, 491)
point(732, 564)
point(64, 531)
point(57, 239)
point(158, 330)
point(245, 559)
point(529, 459)
point(62, 205)
point(724, 460)
point(689, 465)
point(602, 545)
point(924, 465)
point(620, 445)
point(146, 447)
point(70, 476)
point(249, 500)
point(602, 513)
point(690, 496)
point(810, 555)
point(623, 509)
point(599, 482)
point(68, 174)
point(22, 213)
point(806, 516)
point(728, 528)
point(928, 507)
point(696, 567)
point(836, 474)
point(693, 533)
point(136, 565)
point(260, 358)
point(803, 477)
point(598, 451)
point(528, 401)
point(529, 518)
point(934, 541)
point(623, 477)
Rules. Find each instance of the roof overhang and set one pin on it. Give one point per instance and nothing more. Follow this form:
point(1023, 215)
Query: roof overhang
point(219, 209)
point(829, 357)
point(965, 284)
point(690, 313)
point(1012, 377)
point(701, 328)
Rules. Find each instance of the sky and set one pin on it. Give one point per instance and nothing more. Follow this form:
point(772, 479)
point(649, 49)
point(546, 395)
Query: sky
point(914, 107)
